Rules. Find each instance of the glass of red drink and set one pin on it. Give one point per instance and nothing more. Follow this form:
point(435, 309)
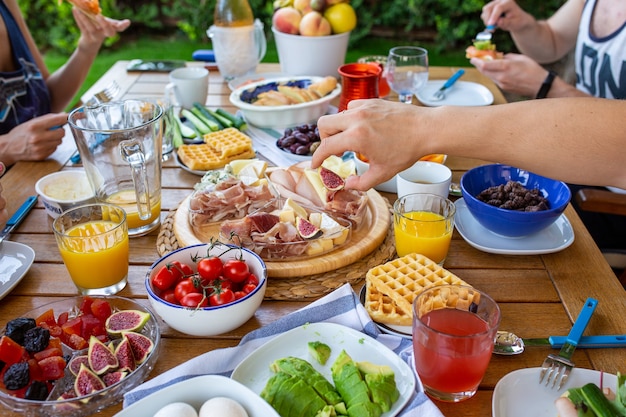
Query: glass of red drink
point(380, 60)
point(454, 328)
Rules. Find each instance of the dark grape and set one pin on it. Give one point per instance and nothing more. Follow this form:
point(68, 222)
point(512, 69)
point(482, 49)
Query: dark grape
point(300, 140)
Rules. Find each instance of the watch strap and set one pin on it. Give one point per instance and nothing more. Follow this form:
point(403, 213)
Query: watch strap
point(546, 85)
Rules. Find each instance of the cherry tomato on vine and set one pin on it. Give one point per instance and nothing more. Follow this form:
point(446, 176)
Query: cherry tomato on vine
point(210, 268)
point(185, 287)
point(240, 294)
point(248, 288)
point(186, 269)
point(236, 270)
point(223, 297)
point(252, 279)
point(166, 276)
point(194, 299)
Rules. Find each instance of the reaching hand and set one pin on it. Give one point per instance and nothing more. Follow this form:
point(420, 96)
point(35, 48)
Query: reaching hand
point(517, 74)
point(94, 30)
point(33, 140)
point(506, 15)
point(4, 215)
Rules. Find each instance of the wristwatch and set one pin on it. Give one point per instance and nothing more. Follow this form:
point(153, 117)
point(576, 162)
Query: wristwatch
point(547, 83)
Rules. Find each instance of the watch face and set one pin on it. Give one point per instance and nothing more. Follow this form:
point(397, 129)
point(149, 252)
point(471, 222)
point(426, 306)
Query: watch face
point(154, 65)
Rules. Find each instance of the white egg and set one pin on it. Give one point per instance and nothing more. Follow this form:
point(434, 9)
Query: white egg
point(222, 407)
point(178, 409)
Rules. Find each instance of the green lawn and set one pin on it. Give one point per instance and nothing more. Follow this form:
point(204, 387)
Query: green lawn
point(179, 48)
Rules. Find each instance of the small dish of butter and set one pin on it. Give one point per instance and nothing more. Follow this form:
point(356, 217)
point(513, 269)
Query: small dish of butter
point(63, 190)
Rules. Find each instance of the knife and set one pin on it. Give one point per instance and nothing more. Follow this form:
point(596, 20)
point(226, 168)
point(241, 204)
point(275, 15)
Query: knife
point(586, 342)
point(17, 218)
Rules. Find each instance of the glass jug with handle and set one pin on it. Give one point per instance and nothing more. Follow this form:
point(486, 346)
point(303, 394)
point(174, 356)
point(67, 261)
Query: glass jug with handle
point(120, 144)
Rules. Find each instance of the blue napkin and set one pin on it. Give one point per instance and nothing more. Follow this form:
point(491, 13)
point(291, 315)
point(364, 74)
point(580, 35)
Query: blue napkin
point(342, 306)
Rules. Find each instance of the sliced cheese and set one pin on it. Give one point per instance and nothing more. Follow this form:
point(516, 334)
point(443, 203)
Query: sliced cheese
point(314, 178)
point(340, 167)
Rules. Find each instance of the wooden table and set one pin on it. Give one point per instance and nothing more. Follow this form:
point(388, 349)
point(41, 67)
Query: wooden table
point(539, 295)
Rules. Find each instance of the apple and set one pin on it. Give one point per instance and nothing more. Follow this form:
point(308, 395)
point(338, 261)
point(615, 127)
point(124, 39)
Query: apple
point(287, 20)
point(314, 24)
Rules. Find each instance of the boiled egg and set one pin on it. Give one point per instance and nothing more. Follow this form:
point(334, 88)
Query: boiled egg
point(177, 409)
point(222, 407)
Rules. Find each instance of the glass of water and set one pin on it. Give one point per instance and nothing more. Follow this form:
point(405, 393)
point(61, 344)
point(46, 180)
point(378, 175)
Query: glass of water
point(407, 71)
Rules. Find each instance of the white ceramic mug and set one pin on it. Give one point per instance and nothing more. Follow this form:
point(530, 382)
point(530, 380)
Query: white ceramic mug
point(424, 177)
point(187, 86)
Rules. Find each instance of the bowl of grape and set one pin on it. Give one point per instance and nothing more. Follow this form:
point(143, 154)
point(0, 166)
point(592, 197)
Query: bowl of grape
point(300, 141)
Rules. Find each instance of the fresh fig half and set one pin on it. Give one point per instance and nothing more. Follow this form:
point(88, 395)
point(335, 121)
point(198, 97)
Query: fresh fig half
point(113, 377)
point(126, 321)
point(331, 180)
point(140, 344)
point(306, 229)
point(87, 382)
point(75, 362)
point(125, 356)
point(100, 357)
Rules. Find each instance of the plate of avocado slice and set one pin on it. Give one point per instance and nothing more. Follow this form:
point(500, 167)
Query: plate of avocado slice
point(293, 359)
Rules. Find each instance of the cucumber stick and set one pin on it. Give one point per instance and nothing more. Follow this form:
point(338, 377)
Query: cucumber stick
point(594, 399)
point(238, 122)
point(208, 117)
point(199, 124)
point(185, 130)
point(210, 123)
point(223, 120)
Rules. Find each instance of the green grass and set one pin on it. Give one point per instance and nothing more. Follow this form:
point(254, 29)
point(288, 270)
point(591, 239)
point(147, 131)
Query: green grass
point(179, 48)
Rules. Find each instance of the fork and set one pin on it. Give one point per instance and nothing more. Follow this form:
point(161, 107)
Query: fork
point(440, 93)
point(556, 368)
point(486, 34)
point(105, 95)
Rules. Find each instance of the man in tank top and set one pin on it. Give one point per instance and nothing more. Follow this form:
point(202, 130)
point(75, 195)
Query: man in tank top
point(31, 99)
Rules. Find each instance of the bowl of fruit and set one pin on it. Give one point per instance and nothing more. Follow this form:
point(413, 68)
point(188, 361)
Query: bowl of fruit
point(76, 356)
point(207, 289)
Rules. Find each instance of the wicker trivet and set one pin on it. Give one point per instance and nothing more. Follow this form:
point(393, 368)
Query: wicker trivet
point(310, 286)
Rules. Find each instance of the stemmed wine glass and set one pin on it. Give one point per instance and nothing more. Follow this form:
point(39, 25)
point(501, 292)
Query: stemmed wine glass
point(407, 71)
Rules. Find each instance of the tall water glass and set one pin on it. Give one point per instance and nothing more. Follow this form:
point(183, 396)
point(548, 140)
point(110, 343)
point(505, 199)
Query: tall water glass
point(407, 71)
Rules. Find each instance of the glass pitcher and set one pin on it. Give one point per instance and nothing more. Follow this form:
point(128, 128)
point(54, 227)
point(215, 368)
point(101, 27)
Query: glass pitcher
point(120, 144)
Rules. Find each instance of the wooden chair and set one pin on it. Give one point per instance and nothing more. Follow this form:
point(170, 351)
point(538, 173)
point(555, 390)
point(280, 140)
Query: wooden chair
point(605, 201)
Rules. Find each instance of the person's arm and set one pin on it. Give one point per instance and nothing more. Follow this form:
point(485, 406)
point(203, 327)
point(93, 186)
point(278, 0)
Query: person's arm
point(4, 215)
point(579, 140)
point(544, 41)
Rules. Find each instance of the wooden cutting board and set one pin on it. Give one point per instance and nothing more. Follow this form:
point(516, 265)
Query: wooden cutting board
point(363, 241)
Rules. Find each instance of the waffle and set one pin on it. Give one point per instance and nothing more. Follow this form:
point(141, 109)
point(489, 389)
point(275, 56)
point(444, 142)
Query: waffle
point(399, 281)
point(229, 142)
point(219, 149)
point(383, 309)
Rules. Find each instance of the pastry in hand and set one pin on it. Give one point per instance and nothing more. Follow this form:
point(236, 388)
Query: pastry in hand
point(485, 50)
point(90, 7)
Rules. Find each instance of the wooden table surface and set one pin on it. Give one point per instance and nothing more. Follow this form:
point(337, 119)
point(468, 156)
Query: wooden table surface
point(539, 295)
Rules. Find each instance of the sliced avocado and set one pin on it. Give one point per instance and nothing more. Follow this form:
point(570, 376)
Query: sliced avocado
point(320, 351)
point(484, 45)
point(348, 381)
point(365, 410)
point(304, 370)
point(327, 411)
point(291, 396)
point(372, 368)
point(382, 389)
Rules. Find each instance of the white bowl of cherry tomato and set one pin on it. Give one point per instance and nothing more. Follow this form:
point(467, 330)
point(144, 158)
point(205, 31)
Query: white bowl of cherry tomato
point(207, 289)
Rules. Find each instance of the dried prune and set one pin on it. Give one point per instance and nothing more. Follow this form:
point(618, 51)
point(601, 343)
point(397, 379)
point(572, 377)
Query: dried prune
point(514, 196)
point(37, 391)
point(36, 339)
point(16, 328)
point(17, 376)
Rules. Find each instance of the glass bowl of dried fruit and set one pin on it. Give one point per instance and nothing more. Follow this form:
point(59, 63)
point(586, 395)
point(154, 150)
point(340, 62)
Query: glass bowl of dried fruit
point(76, 356)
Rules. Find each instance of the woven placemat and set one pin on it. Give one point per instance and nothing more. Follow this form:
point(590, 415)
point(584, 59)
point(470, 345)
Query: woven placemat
point(305, 287)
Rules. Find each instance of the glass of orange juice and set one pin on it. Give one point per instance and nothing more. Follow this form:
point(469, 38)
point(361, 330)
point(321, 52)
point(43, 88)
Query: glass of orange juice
point(93, 241)
point(454, 328)
point(423, 223)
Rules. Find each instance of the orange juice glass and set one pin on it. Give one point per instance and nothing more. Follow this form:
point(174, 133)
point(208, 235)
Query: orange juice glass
point(423, 223)
point(93, 242)
point(454, 328)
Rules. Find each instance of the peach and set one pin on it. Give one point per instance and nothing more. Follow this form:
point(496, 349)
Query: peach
point(287, 20)
point(303, 6)
point(314, 24)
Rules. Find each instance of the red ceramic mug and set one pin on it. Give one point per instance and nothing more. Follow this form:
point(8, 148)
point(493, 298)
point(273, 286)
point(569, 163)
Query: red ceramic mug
point(358, 81)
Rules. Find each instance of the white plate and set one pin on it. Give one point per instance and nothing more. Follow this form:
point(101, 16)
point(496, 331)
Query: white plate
point(15, 261)
point(401, 331)
point(519, 393)
point(237, 82)
point(617, 190)
point(254, 371)
point(462, 93)
point(554, 238)
point(195, 391)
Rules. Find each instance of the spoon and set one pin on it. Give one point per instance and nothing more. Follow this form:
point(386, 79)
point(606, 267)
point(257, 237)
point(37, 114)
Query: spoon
point(455, 189)
point(507, 343)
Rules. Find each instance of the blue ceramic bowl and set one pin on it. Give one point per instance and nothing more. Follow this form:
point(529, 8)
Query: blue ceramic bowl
point(512, 223)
